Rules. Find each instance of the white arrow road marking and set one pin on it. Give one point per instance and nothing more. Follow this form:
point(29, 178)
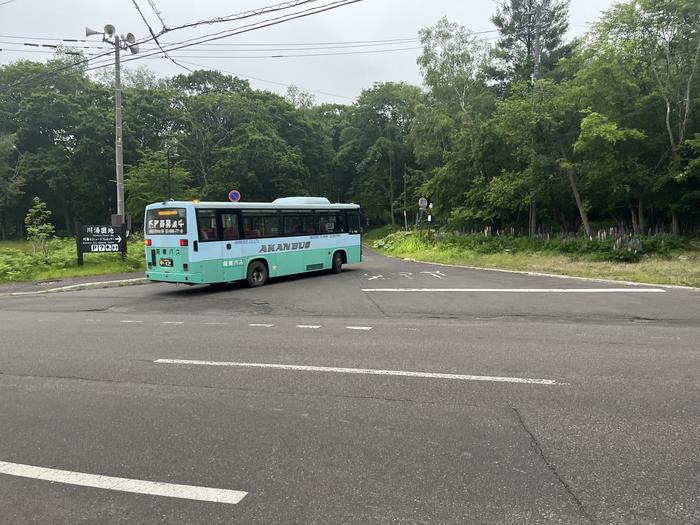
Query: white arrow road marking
point(438, 274)
point(152, 488)
point(521, 290)
point(367, 371)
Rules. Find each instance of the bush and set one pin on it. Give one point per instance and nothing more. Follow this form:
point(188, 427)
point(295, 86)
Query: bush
point(617, 249)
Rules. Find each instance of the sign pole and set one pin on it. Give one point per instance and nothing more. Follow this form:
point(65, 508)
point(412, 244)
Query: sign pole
point(124, 243)
point(78, 244)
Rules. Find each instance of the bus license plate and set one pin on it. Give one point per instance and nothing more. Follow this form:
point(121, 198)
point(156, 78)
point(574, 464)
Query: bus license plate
point(168, 263)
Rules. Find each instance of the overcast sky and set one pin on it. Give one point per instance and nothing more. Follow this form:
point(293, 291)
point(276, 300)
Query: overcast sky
point(330, 76)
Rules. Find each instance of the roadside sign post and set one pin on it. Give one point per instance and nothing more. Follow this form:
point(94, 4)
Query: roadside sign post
point(100, 238)
point(422, 205)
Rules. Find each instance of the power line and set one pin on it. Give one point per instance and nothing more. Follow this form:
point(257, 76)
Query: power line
point(241, 47)
point(157, 12)
point(303, 54)
point(6, 49)
point(389, 40)
point(245, 14)
point(248, 28)
point(267, 81)
point(155, 38)
point(189, 43)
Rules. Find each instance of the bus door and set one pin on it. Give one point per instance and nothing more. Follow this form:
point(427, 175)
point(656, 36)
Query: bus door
point(231, 253)
point(209, 249)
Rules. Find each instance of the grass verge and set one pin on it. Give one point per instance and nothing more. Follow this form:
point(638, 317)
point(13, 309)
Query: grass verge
point(675, 263)
point(18, 262)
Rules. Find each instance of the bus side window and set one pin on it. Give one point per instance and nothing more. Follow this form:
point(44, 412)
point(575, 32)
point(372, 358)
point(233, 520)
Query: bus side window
point(353, 222)
point(206, 225)
point(229, 225)
point(339, 222)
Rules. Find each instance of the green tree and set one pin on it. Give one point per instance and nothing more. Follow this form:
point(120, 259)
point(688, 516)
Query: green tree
point(150, 181)
point(522, 25)
point(39, 229)
point(11, 182)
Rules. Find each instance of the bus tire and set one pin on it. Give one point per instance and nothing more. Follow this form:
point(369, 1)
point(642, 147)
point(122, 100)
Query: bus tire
point(257, 274)
point(337, 263)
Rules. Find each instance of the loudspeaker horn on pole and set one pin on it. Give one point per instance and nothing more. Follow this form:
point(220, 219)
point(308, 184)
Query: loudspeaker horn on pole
point(130, 38)
point(110, 29)
point(90, 32)
point(134, 49)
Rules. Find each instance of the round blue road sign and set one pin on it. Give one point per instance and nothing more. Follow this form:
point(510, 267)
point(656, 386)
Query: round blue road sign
point(234, 195)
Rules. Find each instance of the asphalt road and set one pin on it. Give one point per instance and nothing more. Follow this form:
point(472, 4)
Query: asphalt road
point(373, 396)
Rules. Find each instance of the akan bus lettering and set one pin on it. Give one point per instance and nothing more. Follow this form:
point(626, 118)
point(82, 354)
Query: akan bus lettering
point(284, 247)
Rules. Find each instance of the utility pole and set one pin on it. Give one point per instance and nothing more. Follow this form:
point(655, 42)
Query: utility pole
point(118, 154)
point(110, 36)
point(405, 207)
point(536, 51)
point(170, 187)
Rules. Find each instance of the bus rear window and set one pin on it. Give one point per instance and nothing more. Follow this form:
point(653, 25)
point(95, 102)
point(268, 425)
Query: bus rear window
point(166, 221)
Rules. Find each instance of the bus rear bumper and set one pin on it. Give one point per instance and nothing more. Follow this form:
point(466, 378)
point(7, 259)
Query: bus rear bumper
point(173, 277)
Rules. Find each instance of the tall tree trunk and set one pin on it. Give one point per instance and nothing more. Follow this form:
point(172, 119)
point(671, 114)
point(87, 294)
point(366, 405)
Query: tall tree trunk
point(635, 225)
point(579, 204)
point(2, 230)
point(66, 217)
point(641, 214)
point(533, 218)
point(391, 189)
point(674, 223)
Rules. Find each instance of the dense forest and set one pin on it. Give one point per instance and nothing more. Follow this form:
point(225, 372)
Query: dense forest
point(529, 133)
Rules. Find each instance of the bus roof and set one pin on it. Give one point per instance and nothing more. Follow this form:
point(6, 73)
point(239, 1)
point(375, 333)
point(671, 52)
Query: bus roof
point(283, 205)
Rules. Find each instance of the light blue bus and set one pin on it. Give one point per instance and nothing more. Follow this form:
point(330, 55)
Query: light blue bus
point(218, 242)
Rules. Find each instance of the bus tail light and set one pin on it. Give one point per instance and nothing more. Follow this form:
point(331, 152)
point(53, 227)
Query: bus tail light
point(183, 242)
point(147, 242)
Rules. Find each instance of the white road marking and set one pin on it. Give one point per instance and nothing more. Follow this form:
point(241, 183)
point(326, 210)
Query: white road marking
point(375, 277)
point(173, 322)
point(129, 321)
point(520, 290)
point(309, 326)
point(152, 488)
point(359, 327)
point(437, 274)
point(261, 325)
point(367, 371)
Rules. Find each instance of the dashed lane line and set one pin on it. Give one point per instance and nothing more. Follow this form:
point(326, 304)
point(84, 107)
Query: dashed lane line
point(130, 321)
point(261, 325)
point(152, 488)
point(364, 371)
point(173, 322)
point(359, 328)
point(311, 326)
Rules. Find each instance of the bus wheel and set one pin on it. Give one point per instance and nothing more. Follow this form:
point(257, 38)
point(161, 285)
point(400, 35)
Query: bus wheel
point(257, 274)
point(337, 265)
